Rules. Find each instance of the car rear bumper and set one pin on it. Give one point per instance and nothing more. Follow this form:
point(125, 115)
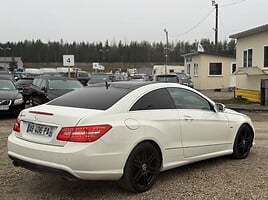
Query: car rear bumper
point(83, 161)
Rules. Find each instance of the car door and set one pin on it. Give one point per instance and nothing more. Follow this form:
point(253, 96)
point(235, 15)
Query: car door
point(203, 130)
point(159, 118)
point(38, 94)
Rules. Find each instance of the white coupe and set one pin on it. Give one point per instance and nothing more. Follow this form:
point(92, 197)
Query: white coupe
point(127, 131)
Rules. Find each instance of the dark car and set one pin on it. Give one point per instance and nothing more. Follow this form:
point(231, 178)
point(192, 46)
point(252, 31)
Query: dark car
point(83, 77)
point(7, 74)
point(46, 88)
point(171, 78)
point(185, 79)
point(24, 86)
point(181, 78)
point(101, 77)
point(11, 101)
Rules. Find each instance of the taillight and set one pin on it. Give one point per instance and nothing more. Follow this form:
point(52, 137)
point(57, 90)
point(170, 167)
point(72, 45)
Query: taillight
point(83, 133)
point(16, 126)
point(26, 88)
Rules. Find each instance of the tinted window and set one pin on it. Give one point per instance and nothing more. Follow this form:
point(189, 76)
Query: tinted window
point(167, 78)
point(37, 82)
point(43, 84)
point(63, 84)
point(6, 85)
point(157, 99)
point(95, 97)
point(185, 99)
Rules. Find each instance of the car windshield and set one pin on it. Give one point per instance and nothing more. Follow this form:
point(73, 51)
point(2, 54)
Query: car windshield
point(64, 84)
point(6, 85)
point(172, 79)
point(100, 77)
point(183, 76)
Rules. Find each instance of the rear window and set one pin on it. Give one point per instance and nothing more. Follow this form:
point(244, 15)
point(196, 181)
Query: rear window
point(93, 97)
point(168, 78)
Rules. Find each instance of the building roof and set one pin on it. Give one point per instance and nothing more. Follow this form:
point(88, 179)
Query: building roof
point(250, 71)
point(208, 54)
point(249, 32)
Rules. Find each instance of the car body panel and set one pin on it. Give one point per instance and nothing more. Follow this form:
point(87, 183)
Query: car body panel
point(11, 101)
point(182, 136)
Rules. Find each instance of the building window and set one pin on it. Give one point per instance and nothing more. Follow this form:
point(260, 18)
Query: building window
point(188, 59)
point(195, 69)
point(233, 67)
point(266, 56)
point(247, 58)
point(188, 70)
point(215, 68)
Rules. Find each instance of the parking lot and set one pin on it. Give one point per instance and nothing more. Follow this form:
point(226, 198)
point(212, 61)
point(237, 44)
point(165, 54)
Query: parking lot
point(220, 178)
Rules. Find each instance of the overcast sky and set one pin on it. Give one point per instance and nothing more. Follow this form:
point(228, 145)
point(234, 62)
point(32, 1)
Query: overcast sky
point(126, 20)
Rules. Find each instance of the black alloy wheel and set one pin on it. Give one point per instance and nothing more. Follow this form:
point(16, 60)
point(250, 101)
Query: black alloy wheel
point(243, 142)
point(142, 168)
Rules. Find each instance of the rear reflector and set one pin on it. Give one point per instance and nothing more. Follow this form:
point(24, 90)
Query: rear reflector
point(16, 126)
point(83, 133)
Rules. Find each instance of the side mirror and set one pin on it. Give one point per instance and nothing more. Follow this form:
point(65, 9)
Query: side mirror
point(219, 107)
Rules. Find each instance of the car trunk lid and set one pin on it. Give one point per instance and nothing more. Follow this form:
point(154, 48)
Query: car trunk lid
point(41, 124)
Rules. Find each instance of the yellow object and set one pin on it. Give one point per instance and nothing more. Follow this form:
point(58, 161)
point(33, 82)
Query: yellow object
point(250, 95)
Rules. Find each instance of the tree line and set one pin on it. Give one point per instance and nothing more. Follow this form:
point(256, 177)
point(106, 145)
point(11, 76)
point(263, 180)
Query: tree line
point(36, 51)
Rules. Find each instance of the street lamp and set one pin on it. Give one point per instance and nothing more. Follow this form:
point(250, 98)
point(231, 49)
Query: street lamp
point(215, 4)
point(166, 55)
point(5, 50)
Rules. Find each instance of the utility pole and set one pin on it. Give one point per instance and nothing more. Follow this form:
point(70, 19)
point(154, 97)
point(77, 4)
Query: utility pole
point(215, 4)
point(166, 55)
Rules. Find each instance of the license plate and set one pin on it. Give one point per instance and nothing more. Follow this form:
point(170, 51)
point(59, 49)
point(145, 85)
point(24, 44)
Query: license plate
point(38, 129)
point(4, 107)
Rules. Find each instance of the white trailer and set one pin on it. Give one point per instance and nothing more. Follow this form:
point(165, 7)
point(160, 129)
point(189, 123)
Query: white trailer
point(162, 69)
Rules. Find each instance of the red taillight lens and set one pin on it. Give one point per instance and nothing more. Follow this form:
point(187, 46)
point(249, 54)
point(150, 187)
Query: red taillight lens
point(16, 126)
point(83, 133)
point(26, 88)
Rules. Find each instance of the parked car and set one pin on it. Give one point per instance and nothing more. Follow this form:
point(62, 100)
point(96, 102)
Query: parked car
point(82, 76)
point(100, 77)
point(127, 131)
point(46, 88)
point(140, 77)
point(181, 78)
point(11, 101)
point(24, 86)
point(170, 78)
point(7, 74)
point(185, 79)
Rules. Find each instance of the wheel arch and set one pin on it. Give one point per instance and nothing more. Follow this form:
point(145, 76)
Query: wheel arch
point(155, 144)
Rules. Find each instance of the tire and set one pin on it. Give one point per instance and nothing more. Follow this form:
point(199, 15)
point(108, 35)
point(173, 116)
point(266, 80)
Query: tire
point(243, 142)
point(141, 169)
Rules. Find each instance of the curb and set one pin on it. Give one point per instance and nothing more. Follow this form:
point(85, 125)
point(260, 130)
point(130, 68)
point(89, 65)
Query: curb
point(249, 108)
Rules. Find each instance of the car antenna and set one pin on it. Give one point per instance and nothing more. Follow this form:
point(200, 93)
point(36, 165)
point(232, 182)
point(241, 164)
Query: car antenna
point(107, 85)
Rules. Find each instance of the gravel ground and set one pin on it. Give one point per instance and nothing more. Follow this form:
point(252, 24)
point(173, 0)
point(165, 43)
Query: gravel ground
point(220, 178)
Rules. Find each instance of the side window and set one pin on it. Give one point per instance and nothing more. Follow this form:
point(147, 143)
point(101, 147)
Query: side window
point(157, 99)
point(37, 82)
point(185, 99)
point(43, 84)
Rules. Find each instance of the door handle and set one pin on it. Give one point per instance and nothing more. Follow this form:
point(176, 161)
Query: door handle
point(188, 118)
